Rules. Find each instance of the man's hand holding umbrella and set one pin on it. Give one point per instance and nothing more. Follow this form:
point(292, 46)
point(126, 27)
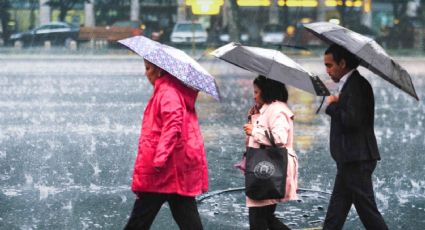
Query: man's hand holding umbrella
point(332, 99)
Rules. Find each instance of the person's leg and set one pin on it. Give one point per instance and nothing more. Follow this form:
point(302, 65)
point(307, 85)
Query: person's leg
point(340, 203)
point(257, 218)
point(145, 209)
point(272, 221)
point(185, 212)
point(363, 196)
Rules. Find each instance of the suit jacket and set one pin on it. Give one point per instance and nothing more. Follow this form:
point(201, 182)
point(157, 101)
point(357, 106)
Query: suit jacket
point(352, 120)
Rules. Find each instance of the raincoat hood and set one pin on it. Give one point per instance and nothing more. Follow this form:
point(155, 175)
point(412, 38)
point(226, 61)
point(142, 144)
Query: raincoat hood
point(189, 94)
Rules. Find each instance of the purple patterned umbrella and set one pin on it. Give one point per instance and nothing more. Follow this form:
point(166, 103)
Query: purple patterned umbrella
point(175, 62)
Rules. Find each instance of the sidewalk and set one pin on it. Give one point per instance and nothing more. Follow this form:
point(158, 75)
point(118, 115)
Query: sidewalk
point(198, 54)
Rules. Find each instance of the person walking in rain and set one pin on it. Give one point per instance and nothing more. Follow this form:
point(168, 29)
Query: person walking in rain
point(271, 113)
point(352, 142)
point(171, 163)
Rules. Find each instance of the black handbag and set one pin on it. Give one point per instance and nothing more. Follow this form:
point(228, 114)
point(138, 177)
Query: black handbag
point(265, 176)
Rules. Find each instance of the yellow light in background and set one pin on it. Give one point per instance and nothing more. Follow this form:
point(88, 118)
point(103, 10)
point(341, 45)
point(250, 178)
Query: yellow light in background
point(353, 3)
point(305, 20)
point(280, 2)
point(396, 21)
point(334, 21)
point(253, 2)
point(205, 7)
point(301, 3)
point(367, 7)
point(315, 3)
point(359, 3)
point(330, 3)
point(349, 3)
point(190, 2)
point(290, 30)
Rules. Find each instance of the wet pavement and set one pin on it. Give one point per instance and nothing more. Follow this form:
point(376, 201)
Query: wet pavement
point(69, 126)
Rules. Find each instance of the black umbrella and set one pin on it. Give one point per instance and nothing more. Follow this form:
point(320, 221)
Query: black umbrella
point(371, 54)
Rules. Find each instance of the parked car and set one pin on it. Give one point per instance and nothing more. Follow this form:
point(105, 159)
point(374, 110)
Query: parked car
point(272, 34)
point(188, 32)
point(58, 33)
point(225, 37)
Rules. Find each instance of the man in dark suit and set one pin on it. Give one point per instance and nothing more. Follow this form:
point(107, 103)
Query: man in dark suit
point(352, 142)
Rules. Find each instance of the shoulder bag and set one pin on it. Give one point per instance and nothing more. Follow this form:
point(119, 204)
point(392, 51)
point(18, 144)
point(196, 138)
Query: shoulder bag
point(265, 176)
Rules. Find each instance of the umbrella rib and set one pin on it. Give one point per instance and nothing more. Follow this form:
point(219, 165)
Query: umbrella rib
point(271, 65)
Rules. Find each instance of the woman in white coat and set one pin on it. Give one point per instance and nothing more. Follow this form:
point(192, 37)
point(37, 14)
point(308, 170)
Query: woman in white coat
point(271, 113)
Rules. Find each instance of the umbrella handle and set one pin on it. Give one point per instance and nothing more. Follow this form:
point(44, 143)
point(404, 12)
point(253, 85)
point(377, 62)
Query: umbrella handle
point(321, 103)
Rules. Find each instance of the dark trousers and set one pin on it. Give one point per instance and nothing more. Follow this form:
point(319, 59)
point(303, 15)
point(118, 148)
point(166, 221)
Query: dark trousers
point(263, 218)
point(147, 206)
point(353, 185)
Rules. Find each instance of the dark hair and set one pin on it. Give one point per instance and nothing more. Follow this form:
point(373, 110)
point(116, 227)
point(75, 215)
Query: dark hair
point(271, 90)
point(338, 52)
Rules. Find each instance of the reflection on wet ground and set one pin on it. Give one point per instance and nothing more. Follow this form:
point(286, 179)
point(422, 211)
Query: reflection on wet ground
point(225, 208)
point(68, 136)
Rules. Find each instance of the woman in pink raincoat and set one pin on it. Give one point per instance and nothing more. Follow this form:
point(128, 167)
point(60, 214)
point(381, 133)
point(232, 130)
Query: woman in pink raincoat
point(271, 113)
point(171, 163)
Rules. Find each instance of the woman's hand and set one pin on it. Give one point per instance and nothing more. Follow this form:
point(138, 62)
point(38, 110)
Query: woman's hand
point(248, 129)
point(254, 110)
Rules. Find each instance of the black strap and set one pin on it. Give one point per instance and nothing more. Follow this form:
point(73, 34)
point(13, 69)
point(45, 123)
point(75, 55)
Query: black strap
point(318, 110)
point(270, 137)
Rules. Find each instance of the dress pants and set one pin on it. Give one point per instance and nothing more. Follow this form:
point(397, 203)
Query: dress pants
point(353, 185)
point(263, 218)
point(147, 206)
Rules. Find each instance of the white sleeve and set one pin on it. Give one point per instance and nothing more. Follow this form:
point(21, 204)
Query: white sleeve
point(279, 127)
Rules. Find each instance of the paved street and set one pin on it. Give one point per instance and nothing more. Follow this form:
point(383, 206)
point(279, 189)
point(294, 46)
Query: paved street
point(69, 127)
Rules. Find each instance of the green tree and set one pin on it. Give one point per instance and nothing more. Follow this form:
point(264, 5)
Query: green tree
point(4, 18)
point(64, 6)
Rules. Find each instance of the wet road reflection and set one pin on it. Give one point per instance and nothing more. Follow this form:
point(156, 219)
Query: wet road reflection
point(69, 130)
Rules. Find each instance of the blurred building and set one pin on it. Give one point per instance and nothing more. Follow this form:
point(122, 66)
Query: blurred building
point(27, 14)
point(371, 17)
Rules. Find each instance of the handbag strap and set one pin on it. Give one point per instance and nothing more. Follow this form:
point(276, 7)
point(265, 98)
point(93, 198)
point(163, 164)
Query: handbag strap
point(270, 136)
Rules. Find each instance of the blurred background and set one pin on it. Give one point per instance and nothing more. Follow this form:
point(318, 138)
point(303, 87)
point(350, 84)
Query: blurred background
point(95, 24)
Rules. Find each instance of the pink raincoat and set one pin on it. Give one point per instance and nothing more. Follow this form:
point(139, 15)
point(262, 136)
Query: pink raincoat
point(171, 142)
point(278, 118)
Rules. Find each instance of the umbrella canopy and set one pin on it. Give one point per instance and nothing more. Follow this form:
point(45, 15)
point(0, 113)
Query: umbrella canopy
point(175, 62)
point(371, 54)
point(272, 64)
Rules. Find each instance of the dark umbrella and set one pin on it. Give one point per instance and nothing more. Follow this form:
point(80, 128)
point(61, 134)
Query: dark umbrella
point(371, 54)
